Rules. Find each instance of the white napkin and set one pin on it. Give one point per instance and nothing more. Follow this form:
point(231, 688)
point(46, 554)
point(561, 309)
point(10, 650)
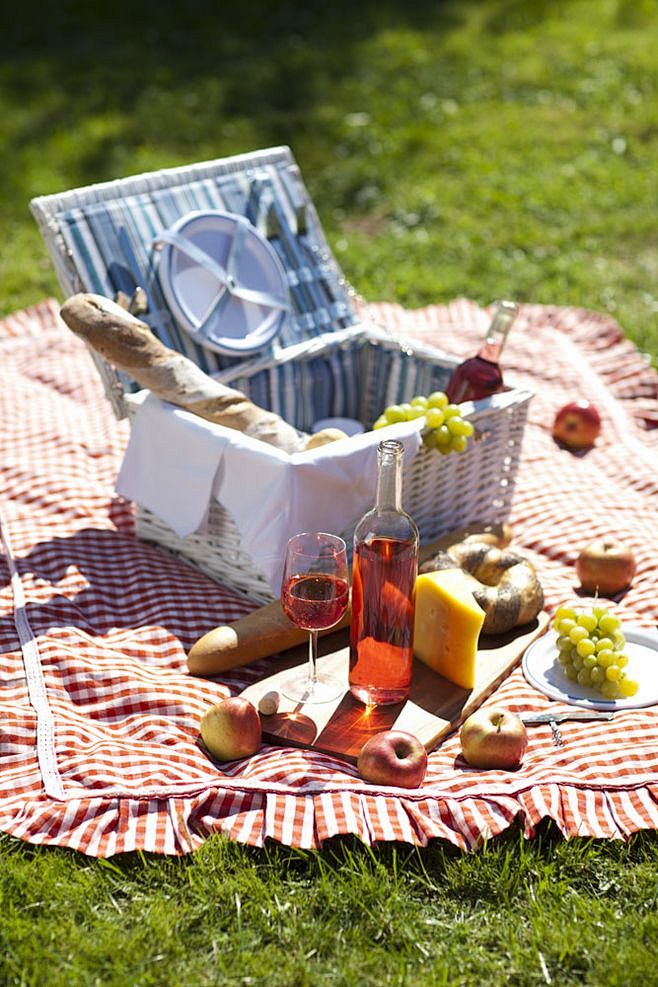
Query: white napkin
point(175, 462)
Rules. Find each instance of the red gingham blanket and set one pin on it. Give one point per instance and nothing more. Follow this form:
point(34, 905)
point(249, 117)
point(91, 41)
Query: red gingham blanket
point(99, 723)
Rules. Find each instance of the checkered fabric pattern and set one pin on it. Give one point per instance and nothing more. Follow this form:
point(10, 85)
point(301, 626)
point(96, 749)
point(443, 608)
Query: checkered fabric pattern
point(98, 715)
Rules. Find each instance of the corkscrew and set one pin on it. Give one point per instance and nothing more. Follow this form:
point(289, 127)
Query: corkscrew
point(531, 719)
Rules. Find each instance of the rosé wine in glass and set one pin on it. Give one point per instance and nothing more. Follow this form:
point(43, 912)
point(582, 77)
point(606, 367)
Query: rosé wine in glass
point(315, 602)
point(314, 595)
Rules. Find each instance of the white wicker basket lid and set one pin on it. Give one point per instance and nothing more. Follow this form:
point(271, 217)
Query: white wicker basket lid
point(223, 282)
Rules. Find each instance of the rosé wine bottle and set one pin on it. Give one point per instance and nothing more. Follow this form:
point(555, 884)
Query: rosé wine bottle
point(383, 590)
point(480, 376)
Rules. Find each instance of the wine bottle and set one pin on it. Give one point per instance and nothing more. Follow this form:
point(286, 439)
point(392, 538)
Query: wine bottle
point(481, 376)
point(383, 590)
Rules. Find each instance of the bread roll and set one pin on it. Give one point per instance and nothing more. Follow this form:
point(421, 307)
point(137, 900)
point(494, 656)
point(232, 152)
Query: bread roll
point(324, 437)
point(505, 585)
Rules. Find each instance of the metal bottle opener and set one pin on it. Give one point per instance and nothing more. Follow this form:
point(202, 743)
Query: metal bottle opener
point(554, 718)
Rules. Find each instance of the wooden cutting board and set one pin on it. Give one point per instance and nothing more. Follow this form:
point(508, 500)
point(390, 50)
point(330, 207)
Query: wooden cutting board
point(434, 708)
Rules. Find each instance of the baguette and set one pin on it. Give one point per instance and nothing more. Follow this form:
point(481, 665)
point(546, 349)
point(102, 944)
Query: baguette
point(267, 630)
point(128, 344)
point(256, 635)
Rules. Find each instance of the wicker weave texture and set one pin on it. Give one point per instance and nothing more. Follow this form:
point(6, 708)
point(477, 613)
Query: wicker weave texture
point(440, 492)
point(325, 364)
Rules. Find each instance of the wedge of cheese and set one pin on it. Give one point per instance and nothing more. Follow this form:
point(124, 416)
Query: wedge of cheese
point(447, 625)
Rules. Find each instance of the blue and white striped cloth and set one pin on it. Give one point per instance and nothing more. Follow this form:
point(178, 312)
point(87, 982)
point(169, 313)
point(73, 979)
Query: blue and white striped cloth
point(323, 363)
point(111, 244)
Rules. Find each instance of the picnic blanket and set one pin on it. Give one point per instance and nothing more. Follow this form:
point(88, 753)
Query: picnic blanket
point(98, 715)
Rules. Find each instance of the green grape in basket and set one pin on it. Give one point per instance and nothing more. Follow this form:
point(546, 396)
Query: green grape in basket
point(445, 430)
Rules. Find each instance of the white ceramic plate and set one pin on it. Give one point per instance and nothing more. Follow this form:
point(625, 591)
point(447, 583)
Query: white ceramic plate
point(544, 673)
point(241, 327)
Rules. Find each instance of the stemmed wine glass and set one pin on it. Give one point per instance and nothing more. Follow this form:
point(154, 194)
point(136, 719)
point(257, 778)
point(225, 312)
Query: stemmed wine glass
point(314, 595)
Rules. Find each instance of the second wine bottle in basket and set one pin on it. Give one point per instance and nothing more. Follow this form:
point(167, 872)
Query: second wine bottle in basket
point(481, 375)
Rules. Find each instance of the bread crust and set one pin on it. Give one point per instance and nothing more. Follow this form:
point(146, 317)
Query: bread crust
point(258, 634)
point(267, 630)
point(503, 583)
point(128, 344)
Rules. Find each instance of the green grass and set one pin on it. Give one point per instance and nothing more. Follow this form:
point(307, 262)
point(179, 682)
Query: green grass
point(464, 148)
point(483, 149)
point(517, 914)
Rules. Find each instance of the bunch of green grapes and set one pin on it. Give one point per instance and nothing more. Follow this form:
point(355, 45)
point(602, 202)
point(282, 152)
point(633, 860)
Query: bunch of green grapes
point(445, 429)
point(591, 651)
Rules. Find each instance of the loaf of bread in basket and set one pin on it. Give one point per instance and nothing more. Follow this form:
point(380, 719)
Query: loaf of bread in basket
point(129, 345)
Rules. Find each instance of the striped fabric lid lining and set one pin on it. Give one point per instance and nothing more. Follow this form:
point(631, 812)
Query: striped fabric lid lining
point(112, 244)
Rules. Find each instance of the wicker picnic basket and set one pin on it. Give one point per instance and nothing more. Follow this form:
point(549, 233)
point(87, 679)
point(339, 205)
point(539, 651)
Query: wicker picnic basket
point(323, 363)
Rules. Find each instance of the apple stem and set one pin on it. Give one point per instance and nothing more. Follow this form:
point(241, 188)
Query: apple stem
point(497, 720)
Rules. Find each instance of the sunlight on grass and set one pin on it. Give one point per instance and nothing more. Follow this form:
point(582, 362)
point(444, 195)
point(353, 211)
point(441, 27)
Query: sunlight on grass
point(513, 913)
point(455, 149)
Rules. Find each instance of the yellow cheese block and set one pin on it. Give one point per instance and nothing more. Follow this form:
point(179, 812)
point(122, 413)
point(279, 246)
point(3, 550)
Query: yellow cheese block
point(447, 625)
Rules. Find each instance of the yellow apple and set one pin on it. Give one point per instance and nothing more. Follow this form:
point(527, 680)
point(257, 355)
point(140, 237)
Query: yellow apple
point(494, 738)
point(231, 729)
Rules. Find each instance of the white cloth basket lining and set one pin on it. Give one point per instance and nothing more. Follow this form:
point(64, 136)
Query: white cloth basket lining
point(440, 492)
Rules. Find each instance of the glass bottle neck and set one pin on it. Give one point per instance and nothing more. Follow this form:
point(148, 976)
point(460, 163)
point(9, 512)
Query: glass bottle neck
point(389, 476)
point(501, 323)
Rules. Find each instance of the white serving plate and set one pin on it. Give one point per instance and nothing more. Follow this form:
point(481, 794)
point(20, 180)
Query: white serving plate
point(544, 673)
point(238, 327)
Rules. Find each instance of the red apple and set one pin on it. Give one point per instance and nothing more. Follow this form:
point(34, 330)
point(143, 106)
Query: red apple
point(605, 566)
point(494, 738)
point(231, 729)
point(393, 757)
point(577, 424)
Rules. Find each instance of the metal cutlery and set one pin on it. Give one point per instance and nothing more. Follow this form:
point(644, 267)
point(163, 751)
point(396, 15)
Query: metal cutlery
point(552, 719)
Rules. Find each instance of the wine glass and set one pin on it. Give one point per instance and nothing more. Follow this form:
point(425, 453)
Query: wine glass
point(314, 595)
